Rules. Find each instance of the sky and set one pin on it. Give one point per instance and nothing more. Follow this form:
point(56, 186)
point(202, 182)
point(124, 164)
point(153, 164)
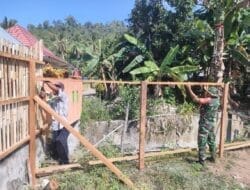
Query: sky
point(36, 11)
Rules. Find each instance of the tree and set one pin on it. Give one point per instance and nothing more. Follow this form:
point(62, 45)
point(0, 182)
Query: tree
point(148, 23)
point(223, 11)
point(7, 23)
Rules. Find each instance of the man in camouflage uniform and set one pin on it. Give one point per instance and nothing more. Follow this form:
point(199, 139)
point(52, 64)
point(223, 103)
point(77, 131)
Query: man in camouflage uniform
point(208, 111)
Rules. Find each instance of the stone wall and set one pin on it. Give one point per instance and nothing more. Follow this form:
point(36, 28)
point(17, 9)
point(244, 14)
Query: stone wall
point(159, 139)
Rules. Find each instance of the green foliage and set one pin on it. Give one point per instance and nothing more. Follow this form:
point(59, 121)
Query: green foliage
point(93, 109)
point(186, 109)
point(109, 150)
point(128, 95)
point(169, 95)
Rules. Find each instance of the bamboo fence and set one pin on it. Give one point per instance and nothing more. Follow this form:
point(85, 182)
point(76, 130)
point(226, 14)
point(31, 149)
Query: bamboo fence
point(14, 93)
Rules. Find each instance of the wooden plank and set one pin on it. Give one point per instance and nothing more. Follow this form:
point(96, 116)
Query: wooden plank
point(32, 123)
point(109, 82)
point(14, 100)
point(41, 172)
point(85, 142)
point(243, 145)
point(143, 120)
point(223, 120)
point(235, 143)
point(147, 155)
point(1, 126)
point(155, 83)
point(17, 57)
point(229, 146)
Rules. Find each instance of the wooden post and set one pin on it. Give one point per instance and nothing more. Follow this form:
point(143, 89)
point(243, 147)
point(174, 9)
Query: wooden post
point(223, 119)
point(32, 123)
point(85, 142)
point(143, 120)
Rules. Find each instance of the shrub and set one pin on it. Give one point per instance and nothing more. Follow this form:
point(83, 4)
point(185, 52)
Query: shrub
point(94, 109)
point(127, 95)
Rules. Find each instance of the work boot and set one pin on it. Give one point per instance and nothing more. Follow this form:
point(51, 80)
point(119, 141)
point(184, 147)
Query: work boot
point(201, 162)
point(212, 158)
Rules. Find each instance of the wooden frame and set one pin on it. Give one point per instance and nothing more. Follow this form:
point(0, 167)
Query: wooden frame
point(108, 162)
point(143, 121)
point(223, 120)
point(144, 101)
point(84, 142)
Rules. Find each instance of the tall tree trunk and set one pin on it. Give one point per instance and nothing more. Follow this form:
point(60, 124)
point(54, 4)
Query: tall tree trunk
point(217, 65)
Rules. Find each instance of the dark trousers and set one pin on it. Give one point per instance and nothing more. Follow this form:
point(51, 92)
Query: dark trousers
point(59, 146)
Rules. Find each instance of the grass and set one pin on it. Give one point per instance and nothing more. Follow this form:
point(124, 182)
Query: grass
point(163, 173)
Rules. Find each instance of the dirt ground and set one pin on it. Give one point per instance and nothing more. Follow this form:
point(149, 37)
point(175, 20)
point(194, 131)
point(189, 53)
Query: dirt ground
point(236, 165)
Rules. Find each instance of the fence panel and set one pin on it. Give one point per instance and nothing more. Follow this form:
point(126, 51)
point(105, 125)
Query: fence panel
point(14, 93)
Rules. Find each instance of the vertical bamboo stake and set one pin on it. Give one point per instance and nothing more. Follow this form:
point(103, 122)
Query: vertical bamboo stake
point(124, 130)
point(4, 124)
point(32, 127)
point(143, 115)
point(1, 125)
point(223, 119)
point(7, 126)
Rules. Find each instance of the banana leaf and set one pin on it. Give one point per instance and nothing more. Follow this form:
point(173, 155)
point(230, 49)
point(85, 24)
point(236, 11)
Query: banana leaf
point(168, 60)
point(141, 70)
point(138, 59)
point(241, 56)
point(184, 69)
point(152, 65)
point(131, 39)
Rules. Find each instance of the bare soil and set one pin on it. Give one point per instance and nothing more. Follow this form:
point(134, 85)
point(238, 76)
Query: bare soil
point(235, 165)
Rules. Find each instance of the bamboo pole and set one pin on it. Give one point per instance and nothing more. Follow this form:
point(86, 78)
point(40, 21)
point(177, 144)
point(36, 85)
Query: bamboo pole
point(143, 120)
point(124, 130)
point(41, 172)
point(223, 120)
point(147, 155)
point(32, 123)
point(85, 142)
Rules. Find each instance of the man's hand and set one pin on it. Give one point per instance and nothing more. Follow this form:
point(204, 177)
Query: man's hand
point(235, 105)
point(42, 94)
point(46, 81)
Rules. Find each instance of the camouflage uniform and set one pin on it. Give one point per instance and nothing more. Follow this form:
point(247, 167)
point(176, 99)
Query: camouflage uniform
point(207, 121)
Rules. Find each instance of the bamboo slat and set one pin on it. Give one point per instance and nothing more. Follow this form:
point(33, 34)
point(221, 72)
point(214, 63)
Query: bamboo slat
point(1, 126)
point(14, 92)
point(4, 124)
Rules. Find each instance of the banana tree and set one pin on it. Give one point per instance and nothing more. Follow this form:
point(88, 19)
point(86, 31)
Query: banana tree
point(224, 11)
point(151, 71)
